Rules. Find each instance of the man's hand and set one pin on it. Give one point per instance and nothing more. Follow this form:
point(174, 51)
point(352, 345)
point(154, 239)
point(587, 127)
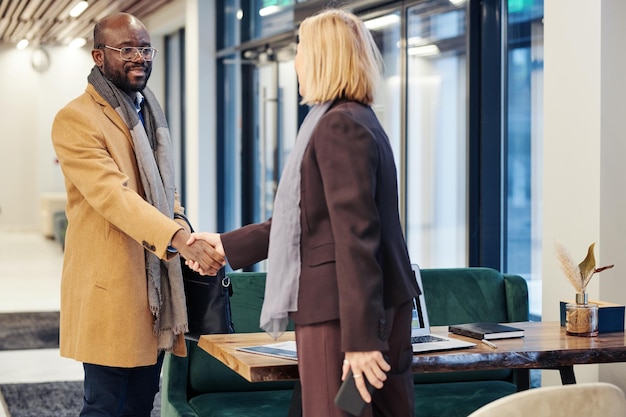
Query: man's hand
point(211, 239)
point(370, 365)
point(207, 258)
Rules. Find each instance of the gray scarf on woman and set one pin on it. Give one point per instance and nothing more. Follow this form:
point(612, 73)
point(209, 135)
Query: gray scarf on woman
point(153, 152)
point(283, 259)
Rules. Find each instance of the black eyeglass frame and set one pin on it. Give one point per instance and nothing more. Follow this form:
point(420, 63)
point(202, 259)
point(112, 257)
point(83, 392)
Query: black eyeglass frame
point(138, 51)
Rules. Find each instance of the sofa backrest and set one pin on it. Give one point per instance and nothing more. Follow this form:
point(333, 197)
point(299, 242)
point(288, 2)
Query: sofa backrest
point(207, 374)
point(465, 295)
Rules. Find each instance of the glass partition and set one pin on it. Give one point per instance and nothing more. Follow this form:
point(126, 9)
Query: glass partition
point(524, 145)
point(436, 148)
point(386, 30)
point(271, 17)
point(276, 118)
point(230, 167)
point(422, 102)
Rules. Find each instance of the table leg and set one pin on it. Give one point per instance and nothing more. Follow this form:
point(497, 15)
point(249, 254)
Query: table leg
point(295, 408)
point(567, 374)
point(522, 378)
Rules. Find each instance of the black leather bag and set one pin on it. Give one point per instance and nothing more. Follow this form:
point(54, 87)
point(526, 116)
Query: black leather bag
point(208, 303)
point(208, 300)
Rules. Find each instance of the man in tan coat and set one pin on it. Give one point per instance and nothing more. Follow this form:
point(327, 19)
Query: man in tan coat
point(122, 298)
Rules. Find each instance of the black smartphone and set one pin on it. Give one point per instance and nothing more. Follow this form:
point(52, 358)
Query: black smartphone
point(348, 397)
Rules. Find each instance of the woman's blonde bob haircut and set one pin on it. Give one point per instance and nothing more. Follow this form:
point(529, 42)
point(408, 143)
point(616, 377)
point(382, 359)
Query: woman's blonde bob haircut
point(341, 58)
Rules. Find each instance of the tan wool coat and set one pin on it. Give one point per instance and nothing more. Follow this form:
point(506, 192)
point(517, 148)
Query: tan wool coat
point(105, 316)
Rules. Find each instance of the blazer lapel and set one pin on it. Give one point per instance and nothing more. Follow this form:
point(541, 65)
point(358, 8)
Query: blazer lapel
point(111, 114)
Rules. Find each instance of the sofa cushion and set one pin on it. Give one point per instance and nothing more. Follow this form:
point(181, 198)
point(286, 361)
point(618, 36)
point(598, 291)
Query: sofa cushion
point(250, 404)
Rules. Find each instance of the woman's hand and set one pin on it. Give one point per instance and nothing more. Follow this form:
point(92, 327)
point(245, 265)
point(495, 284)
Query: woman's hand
point(370, 365)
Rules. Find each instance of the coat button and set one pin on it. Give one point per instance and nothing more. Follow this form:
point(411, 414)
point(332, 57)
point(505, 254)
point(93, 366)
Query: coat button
point(382, 329)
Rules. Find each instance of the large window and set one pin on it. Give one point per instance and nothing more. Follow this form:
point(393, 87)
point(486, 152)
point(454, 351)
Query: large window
point(271, 17)
point(436, 148)
point(524, 144)
point(461, 102)
point(431, 153)
point(276, 124)
point(230, 166)
point(387, 33)
point(174, 56)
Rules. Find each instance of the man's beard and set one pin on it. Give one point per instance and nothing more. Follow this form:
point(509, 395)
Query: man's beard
point(121, 78)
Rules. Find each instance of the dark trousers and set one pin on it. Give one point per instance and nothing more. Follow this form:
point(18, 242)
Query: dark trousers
point(319, 364)
point(120, 392)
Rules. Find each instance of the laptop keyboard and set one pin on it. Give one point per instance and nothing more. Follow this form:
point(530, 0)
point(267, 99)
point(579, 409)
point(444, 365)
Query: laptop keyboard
point(425, 339)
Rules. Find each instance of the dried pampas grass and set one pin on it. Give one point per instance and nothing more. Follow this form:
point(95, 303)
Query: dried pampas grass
point(580, 274)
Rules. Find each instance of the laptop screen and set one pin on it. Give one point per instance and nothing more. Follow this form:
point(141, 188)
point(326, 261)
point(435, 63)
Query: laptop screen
point(419, 324)
point(418, 318)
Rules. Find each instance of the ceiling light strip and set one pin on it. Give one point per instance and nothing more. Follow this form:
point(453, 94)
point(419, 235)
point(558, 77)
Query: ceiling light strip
point(79, 8)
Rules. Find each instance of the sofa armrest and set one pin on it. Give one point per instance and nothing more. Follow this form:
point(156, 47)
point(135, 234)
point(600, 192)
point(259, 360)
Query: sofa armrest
point(516, 290)
point(174, 401)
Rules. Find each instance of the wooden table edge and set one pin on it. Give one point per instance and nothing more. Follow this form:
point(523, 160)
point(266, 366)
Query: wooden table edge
point(252, 367)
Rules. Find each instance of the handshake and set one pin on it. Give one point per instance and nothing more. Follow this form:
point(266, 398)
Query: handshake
point(203, 252)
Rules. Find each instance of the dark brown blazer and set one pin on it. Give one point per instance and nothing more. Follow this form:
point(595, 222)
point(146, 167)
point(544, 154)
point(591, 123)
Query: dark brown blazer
point(355, 262)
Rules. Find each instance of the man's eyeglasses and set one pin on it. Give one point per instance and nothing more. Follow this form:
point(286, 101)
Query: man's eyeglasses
point(131, 53)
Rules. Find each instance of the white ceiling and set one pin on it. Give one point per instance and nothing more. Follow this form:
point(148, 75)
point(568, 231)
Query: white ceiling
point(47, 22)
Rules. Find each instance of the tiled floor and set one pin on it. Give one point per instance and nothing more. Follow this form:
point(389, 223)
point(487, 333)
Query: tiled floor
point(30, 275)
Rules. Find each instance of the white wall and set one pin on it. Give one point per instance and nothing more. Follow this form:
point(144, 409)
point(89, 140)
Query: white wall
point(201, 111)
point(613, 165)
point(584, 169)
point(28, 102)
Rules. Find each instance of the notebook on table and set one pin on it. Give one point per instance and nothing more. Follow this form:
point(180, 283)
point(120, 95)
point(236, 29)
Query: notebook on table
point(486, 330)
point(421, 338)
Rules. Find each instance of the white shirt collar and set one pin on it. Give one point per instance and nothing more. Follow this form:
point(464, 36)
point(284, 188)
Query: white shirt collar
point(138, 100)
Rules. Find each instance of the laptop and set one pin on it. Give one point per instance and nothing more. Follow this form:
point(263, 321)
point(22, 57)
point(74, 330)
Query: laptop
point(421, 338)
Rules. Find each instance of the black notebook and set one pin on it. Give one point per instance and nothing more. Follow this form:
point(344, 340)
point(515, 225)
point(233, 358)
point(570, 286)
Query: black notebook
point(486, 330)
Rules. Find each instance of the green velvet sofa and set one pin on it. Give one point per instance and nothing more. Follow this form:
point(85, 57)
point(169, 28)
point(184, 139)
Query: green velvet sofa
point(199, 386)
point(464, 295)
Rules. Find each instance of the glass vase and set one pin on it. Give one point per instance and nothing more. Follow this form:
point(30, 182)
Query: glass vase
point(581, 317)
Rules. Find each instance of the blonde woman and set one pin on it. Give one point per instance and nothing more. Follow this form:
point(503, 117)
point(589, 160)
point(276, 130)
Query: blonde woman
point(337, 259)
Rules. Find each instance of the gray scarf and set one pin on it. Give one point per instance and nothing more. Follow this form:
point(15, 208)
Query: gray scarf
point(153, 152)
point(283, 259)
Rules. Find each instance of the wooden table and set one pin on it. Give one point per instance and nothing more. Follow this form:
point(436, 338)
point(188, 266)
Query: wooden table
point(544, 346)
point(254, 368)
